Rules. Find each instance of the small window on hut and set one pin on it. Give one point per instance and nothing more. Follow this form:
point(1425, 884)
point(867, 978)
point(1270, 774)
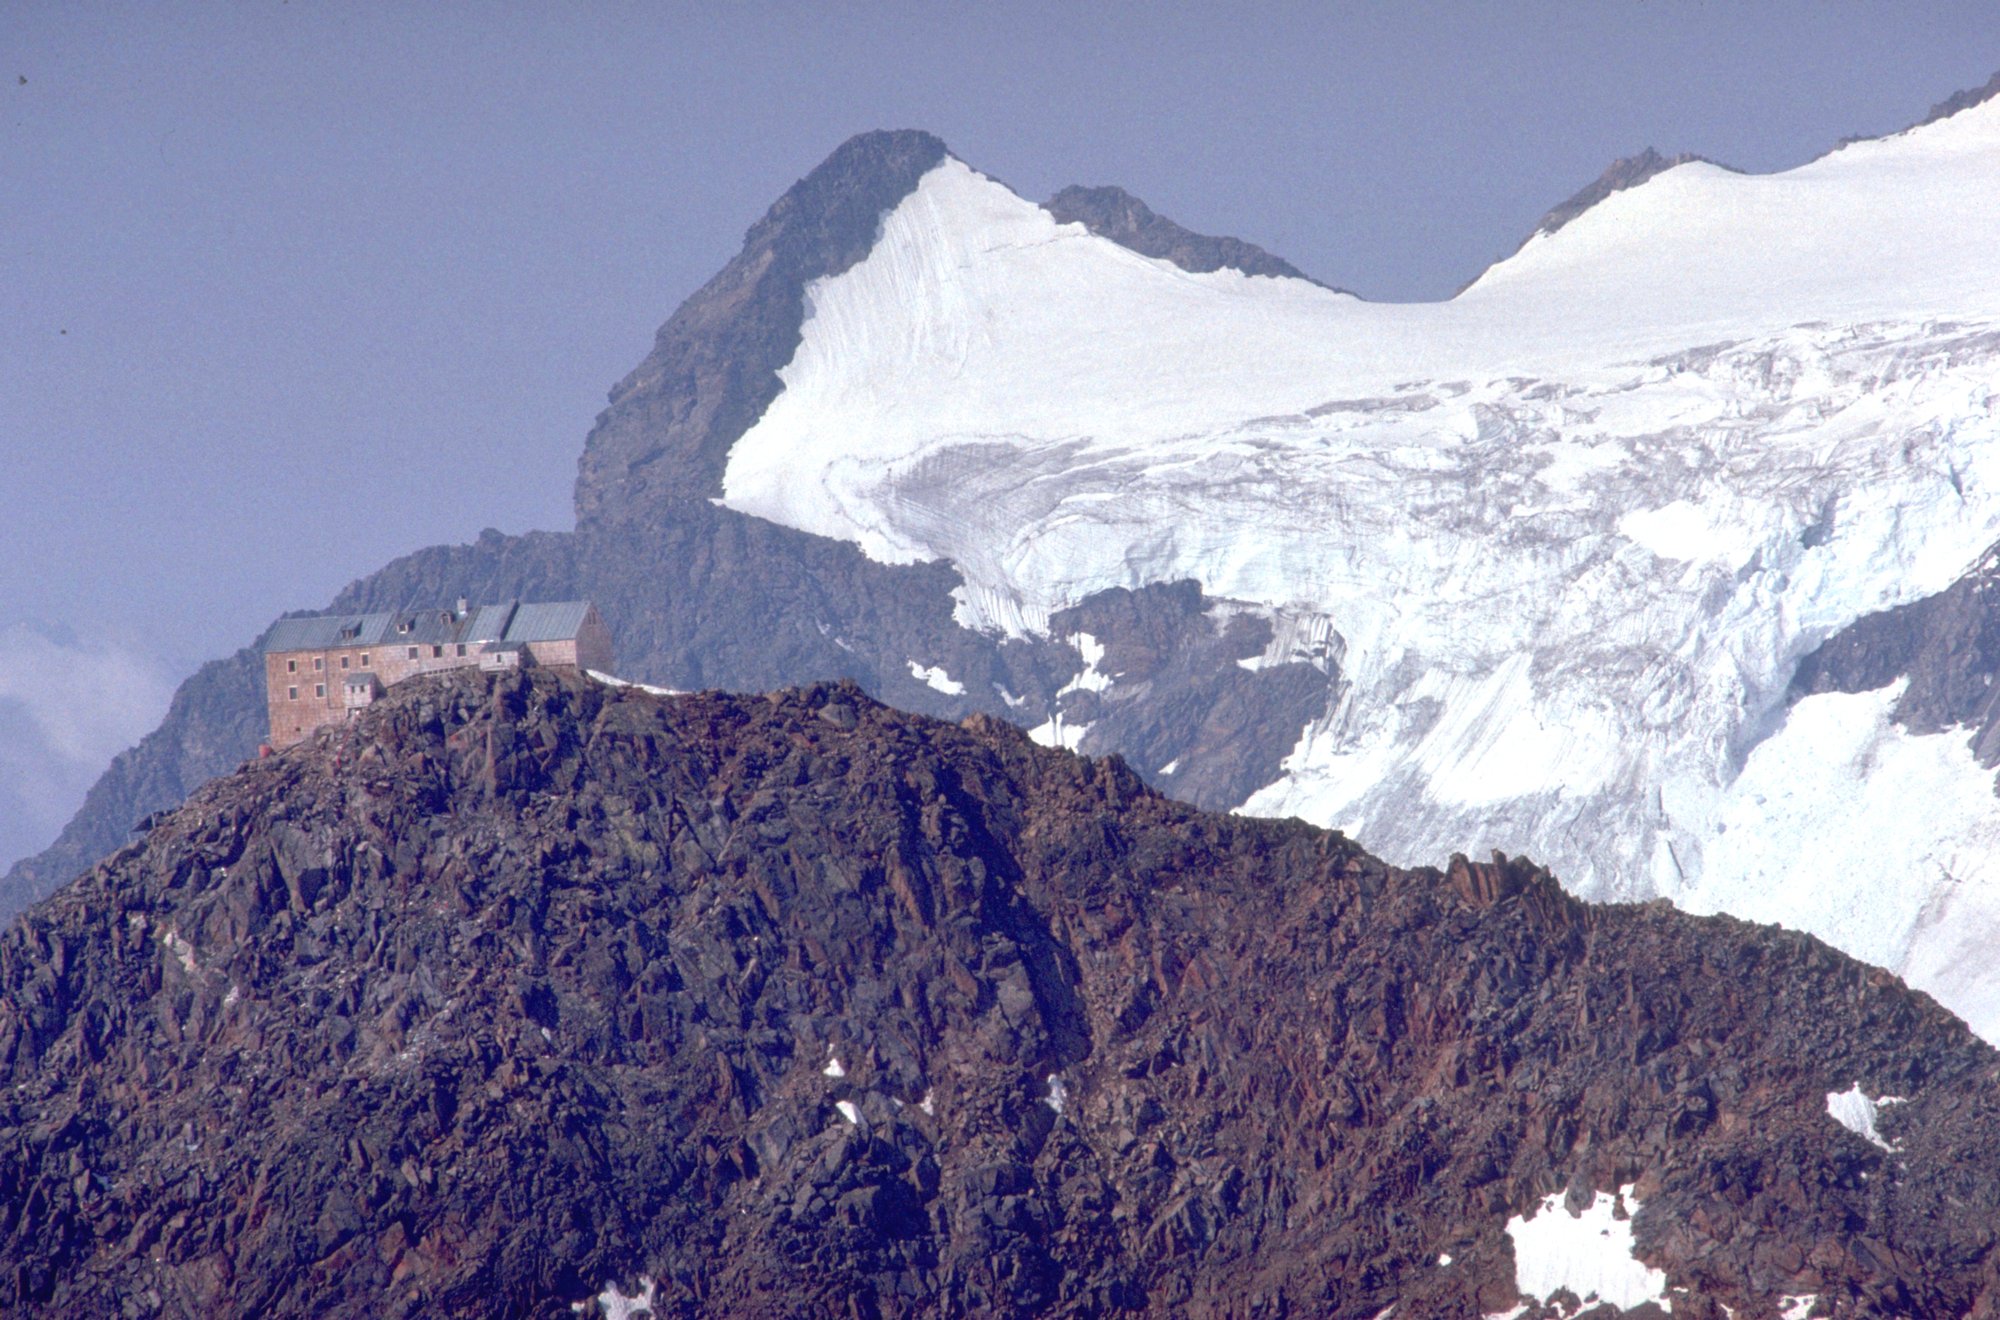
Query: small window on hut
point(291, 666)
point(319, 689)
point(291, 694)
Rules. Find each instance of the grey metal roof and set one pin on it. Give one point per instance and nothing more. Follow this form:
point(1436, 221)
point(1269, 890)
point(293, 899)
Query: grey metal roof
point(489, 622)
point(431, 624)
point(324, 632)
point(546, 621)
point(552, 621)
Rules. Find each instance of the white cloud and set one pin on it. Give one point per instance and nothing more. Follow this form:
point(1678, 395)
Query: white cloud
point(67, 706)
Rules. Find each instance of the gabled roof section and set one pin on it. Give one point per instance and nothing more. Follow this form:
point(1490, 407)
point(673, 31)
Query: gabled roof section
point(489, 622)
point(324, 632)
point(543, 621)
point(554, 621)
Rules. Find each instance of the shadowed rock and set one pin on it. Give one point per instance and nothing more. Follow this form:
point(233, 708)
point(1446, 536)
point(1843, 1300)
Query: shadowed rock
point(518, 987)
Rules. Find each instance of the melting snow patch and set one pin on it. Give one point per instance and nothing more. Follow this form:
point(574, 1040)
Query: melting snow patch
point(180, 948)
point(1514, 1314)
point(1853, 1110)
point(1171, 766)
point(1589, 1254)
point(1092, 679)
point(849, 1112)
point(833, 1068)
point(1444, 1259)
point(928, 1104)
point(615, 1305)
point(612, 680)
point(1797, 1307)
point(1054, 733)
point(936, 676)
point(1058, 1094)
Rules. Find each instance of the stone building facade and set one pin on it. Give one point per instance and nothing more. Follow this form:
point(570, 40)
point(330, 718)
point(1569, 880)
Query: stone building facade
point(320, 669)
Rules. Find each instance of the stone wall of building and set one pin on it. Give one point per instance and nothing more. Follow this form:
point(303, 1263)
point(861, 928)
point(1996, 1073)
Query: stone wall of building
point(303, 689)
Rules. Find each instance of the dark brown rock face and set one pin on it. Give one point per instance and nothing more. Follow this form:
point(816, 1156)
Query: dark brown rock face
point(517, 987)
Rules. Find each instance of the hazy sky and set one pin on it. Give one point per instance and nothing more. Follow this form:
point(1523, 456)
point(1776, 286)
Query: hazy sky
point(287, 289)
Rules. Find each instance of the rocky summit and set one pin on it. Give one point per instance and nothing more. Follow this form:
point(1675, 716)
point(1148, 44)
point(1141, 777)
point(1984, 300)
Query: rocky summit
point(534, 996)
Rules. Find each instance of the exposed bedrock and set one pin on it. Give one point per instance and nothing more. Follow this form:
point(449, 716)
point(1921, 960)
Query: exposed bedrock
point(517, 990)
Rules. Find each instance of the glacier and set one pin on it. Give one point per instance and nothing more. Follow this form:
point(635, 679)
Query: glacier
point(1564, 537)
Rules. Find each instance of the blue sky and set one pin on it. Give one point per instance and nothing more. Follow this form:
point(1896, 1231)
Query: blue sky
point(293, 288)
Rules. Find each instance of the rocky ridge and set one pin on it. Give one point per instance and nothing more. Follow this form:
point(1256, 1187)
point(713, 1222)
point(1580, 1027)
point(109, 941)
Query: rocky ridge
point(1113, 213)
point(517, 989)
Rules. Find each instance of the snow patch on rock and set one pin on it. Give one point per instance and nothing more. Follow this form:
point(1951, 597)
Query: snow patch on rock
point(614, 1304)
point(1092, 679)
point(1853, 1110)
point(1589, 1254)
point(612, 680)
point(936, 677)
point(1056, 732)
point(181, 949)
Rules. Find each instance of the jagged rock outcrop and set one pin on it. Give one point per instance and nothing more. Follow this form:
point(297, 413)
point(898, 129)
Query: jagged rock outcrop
point(1625, 172)
point(1964, 100)
point(714, 365)
point(1113, 213)
point(213, 723)
point(517, 989)
point(1177, 700)
point(1945, 648)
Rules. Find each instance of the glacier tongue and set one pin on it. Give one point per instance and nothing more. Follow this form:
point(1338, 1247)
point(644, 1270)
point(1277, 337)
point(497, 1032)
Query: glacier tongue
point(1573, 530)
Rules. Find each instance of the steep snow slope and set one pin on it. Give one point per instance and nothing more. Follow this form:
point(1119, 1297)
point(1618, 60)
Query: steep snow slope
point(1572, 530)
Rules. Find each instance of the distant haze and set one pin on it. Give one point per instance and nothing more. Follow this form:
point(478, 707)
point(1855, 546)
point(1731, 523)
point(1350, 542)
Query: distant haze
point(292, 289)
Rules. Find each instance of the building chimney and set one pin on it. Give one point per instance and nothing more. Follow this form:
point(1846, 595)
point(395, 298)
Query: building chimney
point(461, 607)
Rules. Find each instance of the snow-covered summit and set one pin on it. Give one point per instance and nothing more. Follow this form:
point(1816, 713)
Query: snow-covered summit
point(1572, 529)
